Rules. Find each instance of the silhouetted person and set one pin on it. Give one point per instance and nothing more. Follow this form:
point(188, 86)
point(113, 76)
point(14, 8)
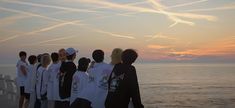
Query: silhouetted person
point(123, 83)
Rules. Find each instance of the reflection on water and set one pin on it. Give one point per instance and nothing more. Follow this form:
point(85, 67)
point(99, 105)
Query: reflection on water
point(181, 85)
point(187, 85)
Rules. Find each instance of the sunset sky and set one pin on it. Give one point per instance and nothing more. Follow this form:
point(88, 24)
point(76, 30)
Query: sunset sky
point(160, 30)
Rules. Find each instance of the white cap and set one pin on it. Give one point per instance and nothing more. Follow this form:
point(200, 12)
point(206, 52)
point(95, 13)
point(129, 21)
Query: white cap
point(70, 51)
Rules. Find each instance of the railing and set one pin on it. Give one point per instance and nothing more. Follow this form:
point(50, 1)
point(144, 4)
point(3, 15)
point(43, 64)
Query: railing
point(8, 90)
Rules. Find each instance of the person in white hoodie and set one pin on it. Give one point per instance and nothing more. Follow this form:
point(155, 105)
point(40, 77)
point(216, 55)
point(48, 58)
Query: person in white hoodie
point(53, 82)
point(81, 93)
point(100, 72)
point(31, 77)
point(42, 81)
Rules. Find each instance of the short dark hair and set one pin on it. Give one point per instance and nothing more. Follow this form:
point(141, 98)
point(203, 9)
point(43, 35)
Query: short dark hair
point(98, 55)
point(70, 57)
point(22, 53)
point(54, 57)
point(129, 56)
point(39, 58)
point(83, 63)
point(32, 59)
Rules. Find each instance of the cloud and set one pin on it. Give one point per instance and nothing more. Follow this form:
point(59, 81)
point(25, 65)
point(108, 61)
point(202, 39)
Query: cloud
point(160, 36)
point(221, 47)
point(155, 46)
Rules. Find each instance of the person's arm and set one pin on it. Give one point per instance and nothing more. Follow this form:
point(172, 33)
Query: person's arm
point(134, 88)
point(45, 81)
point(23, 70)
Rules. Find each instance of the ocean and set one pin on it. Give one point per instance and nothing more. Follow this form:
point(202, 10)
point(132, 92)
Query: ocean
point(175, 85)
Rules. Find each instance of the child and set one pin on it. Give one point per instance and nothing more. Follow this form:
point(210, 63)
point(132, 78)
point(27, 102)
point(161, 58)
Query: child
point(79, 94)
point(42, 81)
point(53, 82)
point(67, 70)
point(31, 76)
point(123, 83)
point(100, 72)
point(21, 77)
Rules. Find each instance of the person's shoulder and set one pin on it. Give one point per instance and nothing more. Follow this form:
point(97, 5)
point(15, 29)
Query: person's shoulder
point(41, 69)
point(132, 67)
point(76, 74)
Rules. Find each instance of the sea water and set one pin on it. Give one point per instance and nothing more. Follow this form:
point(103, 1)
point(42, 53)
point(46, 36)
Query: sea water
point(175, 85)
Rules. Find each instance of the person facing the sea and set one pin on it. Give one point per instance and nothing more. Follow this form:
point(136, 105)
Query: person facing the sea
point(21, 70)
point(58, 100)
point(31, 76)
point(99, 72)
point(67, 70)
point(81, 93)
point(116, 56)
point(123, 83)
point(53, 82)
point(42, 81)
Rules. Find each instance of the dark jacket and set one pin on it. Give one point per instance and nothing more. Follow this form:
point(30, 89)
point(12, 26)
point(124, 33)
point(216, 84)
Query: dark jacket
point(123, 86)
point(67, 70)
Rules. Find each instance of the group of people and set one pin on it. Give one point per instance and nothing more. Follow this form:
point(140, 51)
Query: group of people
point(55, 81)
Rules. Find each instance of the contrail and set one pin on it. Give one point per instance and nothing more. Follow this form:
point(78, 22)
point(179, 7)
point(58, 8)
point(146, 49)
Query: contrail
point(170, 15)
point(29, 14)
point(38, 31)
point(159, 10)
point(161, 37)
point(186, 4)
point(115, 35)
point(49, 6)
point(23, 15)
point(212, 9)
point(51, 40)
point(52, 27)
point(9, 38)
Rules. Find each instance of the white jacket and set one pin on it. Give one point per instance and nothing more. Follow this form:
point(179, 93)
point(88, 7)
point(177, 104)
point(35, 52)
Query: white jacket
point(100, 73)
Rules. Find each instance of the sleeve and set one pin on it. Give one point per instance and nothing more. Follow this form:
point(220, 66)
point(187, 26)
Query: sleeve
point(73, 90)
point(45, 82)
point(62, 67)
point(134, 88)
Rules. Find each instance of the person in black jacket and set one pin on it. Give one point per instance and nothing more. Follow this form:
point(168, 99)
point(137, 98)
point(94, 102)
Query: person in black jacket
point(67, 70)
point(123, 83)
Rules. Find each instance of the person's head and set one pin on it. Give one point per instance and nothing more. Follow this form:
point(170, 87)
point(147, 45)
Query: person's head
point(45, 60)
point(129, 56)
point(71, 53)
point(54, 57)
point(32, 59)
point(39, 58)
point(98, 56)
point(22, 55)
point(116, 56)
point(83, 64)
point(62, 54)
